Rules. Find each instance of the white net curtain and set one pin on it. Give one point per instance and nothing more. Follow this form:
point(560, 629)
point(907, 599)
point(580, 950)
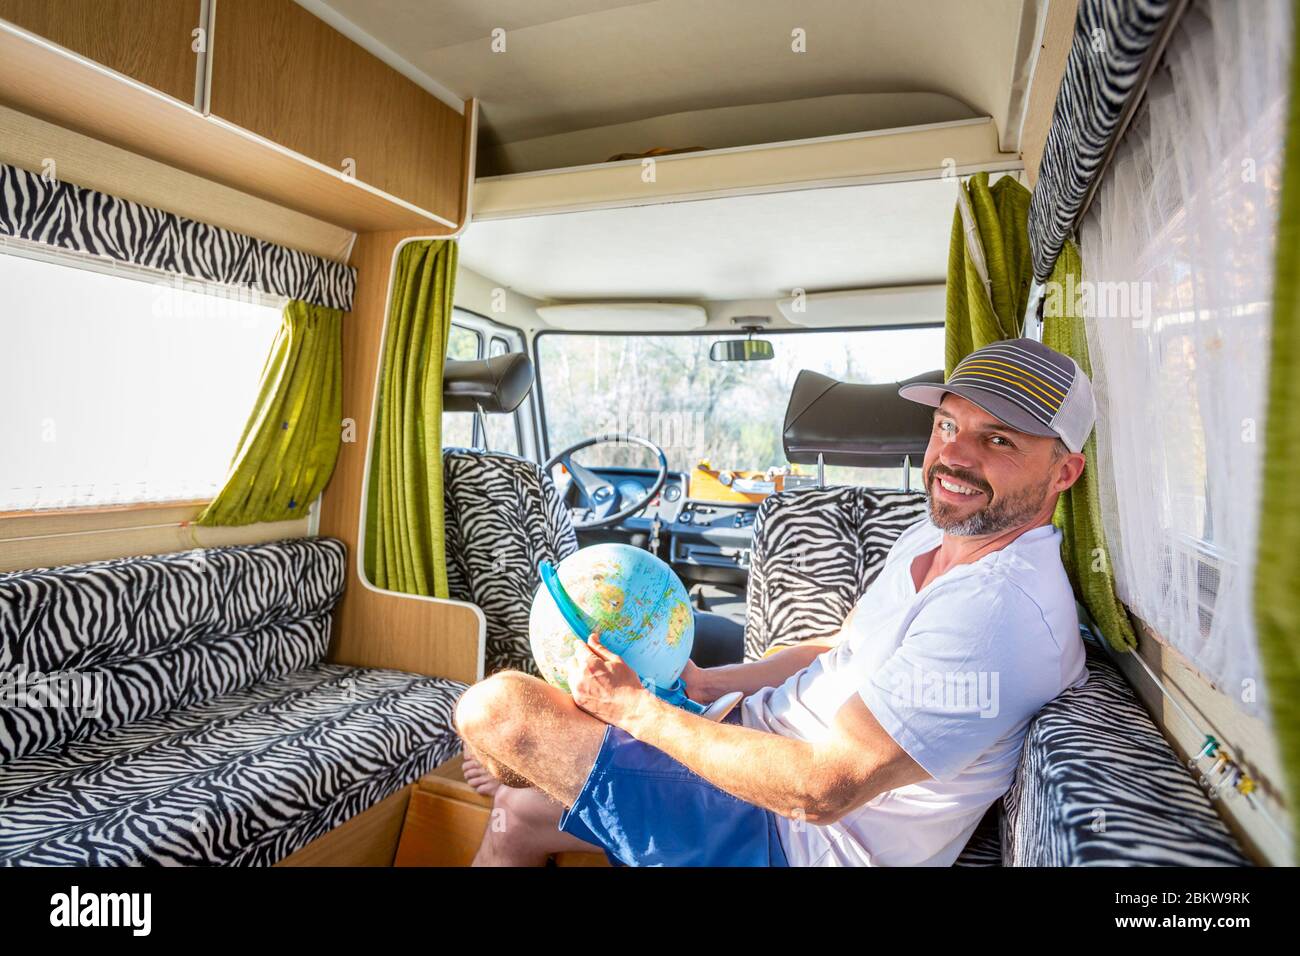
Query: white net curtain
point(1178, 256)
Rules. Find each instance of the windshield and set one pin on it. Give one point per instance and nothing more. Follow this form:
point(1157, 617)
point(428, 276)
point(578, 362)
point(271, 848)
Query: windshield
point(665, 388)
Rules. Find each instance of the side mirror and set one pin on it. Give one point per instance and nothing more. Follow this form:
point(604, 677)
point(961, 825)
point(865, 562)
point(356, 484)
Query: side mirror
point(741, 350)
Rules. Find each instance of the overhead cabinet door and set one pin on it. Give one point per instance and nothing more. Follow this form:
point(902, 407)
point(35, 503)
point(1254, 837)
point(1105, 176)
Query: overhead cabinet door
point(282, 73)
point(148, 40)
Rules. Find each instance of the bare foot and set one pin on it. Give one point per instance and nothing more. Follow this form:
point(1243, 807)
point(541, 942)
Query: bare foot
point(476, 776)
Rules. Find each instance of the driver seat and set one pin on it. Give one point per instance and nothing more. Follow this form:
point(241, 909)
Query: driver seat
point(504, 516)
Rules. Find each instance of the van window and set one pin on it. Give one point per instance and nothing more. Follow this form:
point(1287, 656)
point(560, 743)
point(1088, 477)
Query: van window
point(503, 429)
point(665, 388)
point(463, 345)
point(459, 429)
point(121, 387)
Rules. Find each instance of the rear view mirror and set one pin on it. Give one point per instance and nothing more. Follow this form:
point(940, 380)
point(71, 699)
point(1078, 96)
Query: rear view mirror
point(741, 350)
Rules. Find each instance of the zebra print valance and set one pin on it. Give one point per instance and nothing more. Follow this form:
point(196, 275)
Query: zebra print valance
point(70, 217)
point(1113, 40)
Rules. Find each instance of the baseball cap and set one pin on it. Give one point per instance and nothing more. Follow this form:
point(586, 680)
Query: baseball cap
point(1024, 384)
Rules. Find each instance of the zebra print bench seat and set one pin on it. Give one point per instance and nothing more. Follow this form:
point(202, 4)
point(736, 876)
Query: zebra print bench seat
point(1098, 785)
point(177, 710)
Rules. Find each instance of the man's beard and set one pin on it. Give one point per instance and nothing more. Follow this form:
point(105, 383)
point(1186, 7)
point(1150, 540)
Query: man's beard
point(1006, 512)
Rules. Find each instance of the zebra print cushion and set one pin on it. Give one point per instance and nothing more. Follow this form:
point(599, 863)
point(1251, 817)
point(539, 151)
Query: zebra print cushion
point(246, 778)
point(815, 552)
point(149, 635)
point(1111, 41)
point(70, 217)
point(503, 517)
point(1098, 785)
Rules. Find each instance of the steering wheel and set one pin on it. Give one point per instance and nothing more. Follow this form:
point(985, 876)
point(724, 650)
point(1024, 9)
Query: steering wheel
point(599, 500)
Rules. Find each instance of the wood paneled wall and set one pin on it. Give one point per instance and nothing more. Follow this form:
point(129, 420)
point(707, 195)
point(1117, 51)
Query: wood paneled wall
point(147, 40)
point(373, 628)
point(300, 115)
point(1058, 34)
point(280, 72)
point(286, 76)
point(29, 142)
point(48, 539)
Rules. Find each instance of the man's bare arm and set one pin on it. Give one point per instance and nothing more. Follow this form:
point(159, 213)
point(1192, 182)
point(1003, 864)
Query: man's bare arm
point(707, 684)
point(818, 782)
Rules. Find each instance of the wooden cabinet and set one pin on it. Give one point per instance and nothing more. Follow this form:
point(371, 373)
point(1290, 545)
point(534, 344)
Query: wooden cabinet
point(281, 73)
point(297, 114)
point(148, 40)
point(446, 820)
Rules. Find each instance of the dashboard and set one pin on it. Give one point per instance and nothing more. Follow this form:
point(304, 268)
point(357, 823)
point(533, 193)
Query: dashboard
point(708, 540)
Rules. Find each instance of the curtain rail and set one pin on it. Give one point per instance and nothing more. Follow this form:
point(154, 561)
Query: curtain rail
point(1149, 67)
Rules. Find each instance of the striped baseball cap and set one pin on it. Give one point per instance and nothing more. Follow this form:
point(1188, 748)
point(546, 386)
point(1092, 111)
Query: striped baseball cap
point(1023, 383)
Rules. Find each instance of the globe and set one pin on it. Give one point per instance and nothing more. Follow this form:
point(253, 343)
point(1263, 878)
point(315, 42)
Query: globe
point(638, 604)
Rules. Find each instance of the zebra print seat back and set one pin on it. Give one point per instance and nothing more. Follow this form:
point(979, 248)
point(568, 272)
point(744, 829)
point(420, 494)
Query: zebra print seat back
point(152, 634)
point(1098, 785)
point(503, 516)
point(815, 552)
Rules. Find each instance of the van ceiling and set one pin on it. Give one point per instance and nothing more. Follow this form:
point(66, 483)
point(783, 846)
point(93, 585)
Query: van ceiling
point(665, 73)
point(739, 247)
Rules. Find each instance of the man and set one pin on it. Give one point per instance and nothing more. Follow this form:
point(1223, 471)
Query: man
point(883, 745)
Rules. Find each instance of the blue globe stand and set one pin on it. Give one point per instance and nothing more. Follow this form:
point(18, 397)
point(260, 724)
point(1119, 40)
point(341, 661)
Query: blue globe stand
point(676, 695)
point(582, 627)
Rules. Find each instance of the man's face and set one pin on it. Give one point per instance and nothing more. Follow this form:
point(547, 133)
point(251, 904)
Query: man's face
point(1002, 477)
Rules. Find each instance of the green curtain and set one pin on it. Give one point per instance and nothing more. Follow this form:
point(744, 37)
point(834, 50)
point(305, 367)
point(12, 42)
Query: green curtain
point(291, 441)
point(989, 266)
point(1277, 560)
point(405, 547)
point(1078, 511)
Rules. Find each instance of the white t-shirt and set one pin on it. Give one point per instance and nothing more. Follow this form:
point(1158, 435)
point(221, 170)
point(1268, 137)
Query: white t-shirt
point(953, 673)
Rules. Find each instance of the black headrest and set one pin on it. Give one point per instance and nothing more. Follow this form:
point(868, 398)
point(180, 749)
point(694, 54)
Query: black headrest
point(497, 384)
point(862, 426)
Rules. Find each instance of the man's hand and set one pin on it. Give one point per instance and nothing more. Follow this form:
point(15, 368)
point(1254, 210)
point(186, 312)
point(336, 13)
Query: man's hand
point(603, 685)
point(698, 686)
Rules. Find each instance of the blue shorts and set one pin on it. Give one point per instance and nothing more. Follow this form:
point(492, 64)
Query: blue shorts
point(646, 809)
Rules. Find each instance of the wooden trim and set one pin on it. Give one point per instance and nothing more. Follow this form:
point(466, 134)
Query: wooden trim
point(448, 780)
point(377, 628)
point(923, 152)
point(286, 75)
point(80, 544)
point(1058, 35)
point(28, 143)
point(469, 159)
point(43, 80)
point(368, 839)
point(441, 831)
point(446, 821)
point(148, 40)
point(187, 505)
point(1248, 739)
point(45, 539)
